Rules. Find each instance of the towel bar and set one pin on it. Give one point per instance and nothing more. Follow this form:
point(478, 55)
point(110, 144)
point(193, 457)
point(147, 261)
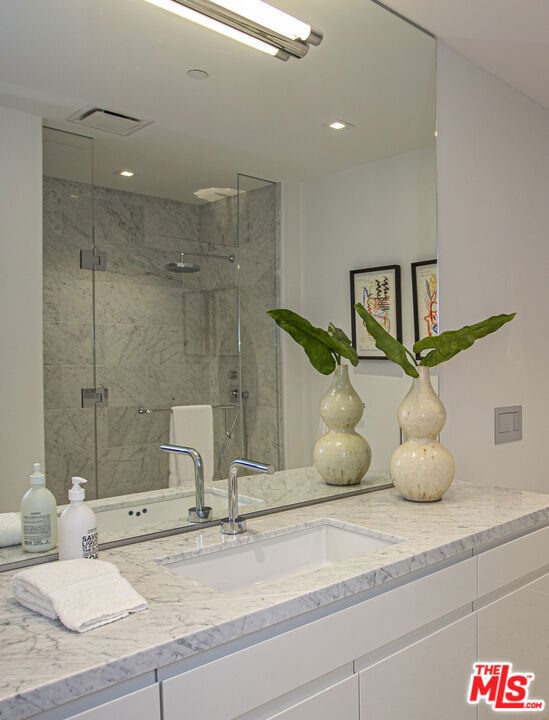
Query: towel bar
point(147, 411)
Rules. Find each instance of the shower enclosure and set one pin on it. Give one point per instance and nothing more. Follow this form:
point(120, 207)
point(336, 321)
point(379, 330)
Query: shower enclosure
point(151, 303)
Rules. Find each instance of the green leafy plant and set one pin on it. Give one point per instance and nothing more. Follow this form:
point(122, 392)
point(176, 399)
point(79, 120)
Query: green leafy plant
point(324, 348)
point(444, 346)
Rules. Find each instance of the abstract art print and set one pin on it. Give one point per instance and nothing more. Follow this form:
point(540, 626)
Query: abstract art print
point(378, 289)
point(425, 293)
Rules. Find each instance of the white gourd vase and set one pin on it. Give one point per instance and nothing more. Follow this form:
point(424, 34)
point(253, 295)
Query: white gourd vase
point(341, 456)
point(421, 468)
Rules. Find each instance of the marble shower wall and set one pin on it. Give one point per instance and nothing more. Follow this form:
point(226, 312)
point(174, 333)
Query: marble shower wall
point(161, 339)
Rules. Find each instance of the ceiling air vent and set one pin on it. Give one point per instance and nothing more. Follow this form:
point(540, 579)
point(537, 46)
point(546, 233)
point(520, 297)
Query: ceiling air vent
point(107, 120)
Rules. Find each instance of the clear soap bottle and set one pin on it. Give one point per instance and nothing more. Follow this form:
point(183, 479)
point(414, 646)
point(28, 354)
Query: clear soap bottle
point(77, 526)
point(38, 515)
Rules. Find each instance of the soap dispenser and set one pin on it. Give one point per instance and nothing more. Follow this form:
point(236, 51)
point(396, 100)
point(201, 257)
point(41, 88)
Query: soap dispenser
point(77, 526)
point(38, 515)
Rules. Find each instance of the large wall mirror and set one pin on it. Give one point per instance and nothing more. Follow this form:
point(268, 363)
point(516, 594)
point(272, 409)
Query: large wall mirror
point(237, 168)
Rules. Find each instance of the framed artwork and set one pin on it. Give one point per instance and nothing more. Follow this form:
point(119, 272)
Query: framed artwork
point(378, 289)
point(425, 294)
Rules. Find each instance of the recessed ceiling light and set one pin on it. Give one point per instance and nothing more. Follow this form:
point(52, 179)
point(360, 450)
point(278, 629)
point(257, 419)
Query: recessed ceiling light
point(196, 74)
point(212, 194)
point(340, 125)
point(125, 173)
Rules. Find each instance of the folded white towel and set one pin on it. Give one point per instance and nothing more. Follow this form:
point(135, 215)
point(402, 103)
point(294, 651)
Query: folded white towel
point(83, 594)
point(10, 529)
point(191, 426)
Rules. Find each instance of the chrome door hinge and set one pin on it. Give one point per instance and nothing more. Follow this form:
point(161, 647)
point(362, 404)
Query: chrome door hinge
point(93, 260)
point(95, 397)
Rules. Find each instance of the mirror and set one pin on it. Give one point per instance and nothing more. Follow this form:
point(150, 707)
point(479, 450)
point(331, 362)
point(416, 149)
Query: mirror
point(354, 198)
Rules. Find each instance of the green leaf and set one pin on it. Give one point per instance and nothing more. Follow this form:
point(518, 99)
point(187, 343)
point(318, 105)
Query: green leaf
point(451, 342)
point(347, 349)
point(389, 345)
point(323, 348)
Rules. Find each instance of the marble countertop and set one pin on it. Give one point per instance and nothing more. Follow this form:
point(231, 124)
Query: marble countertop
point(43, 665)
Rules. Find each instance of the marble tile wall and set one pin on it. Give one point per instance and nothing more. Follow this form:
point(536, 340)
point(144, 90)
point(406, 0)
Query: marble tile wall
point(160, 338)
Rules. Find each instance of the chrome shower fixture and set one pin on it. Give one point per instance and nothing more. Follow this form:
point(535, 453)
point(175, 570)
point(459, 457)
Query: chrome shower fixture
point(186, 267)
point(182, 266)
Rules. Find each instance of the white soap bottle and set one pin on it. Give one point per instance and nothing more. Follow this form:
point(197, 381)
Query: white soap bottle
point(38, 515)
point(77, 526)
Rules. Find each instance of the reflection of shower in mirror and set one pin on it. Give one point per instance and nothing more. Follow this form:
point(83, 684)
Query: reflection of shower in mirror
point(184, 267)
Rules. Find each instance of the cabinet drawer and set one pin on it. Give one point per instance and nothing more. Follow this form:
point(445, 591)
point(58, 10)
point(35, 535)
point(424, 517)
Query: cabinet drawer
point(425, 681)
point(515, 628)
point(140, 705)
point(246, 679)
point(516, 559)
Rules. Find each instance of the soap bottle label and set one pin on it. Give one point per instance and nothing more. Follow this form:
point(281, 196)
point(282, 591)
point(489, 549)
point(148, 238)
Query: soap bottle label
point(89, 545)
point(37, 529)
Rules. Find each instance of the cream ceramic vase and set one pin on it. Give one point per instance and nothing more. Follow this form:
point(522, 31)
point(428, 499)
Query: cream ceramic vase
point(421, 468)
point(341, 456)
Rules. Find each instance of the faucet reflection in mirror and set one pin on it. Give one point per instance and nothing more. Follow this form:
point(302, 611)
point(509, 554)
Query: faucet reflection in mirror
point(200, 512)
point(421, 468)
point(341, 455)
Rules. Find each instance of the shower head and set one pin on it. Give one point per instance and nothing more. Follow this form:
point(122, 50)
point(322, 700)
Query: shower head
point(185, 267)
point(182, 266)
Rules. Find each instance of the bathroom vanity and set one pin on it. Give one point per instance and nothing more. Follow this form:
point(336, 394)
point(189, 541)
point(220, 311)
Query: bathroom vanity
point(393, 632)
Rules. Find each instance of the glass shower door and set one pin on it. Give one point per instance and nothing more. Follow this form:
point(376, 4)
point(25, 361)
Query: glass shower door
point(258, 232)
point(166, 332)
point(68, 311)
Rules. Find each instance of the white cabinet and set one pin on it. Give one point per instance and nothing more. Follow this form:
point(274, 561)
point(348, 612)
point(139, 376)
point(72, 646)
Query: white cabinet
point(513, 619)
point(248, 682)
point(427, 680)
point(403, 654)
point(140, 705)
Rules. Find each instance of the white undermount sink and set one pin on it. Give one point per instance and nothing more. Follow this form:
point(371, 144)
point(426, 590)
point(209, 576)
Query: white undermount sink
point(252, 560)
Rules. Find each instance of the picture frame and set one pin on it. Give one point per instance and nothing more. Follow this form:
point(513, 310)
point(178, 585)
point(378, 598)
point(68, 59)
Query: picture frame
point(425, 298)
point(378, 289)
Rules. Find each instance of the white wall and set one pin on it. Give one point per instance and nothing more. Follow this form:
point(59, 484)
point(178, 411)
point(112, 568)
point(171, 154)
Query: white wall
point(493, 225)
point(378, 214)
point(21, 396)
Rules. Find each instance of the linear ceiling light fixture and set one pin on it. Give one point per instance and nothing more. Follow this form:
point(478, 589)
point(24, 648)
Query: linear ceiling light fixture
point(252, 22)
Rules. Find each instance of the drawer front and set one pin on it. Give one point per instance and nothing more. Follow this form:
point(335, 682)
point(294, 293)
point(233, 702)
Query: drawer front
point(515, 629)
point(140, 705)
point(516, 559)
point(256, 675)
point(425, 681)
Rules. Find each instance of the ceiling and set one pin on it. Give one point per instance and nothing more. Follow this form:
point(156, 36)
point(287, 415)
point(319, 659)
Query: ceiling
point(254, 114)
point(509, 38)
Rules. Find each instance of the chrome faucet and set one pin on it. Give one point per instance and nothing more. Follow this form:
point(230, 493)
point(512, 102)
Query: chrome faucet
point(234, 524)
point(200, 512)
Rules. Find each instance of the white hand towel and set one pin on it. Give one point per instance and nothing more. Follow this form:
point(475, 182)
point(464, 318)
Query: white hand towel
point(191, 426)
point(83, 594)
point(10, 529)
